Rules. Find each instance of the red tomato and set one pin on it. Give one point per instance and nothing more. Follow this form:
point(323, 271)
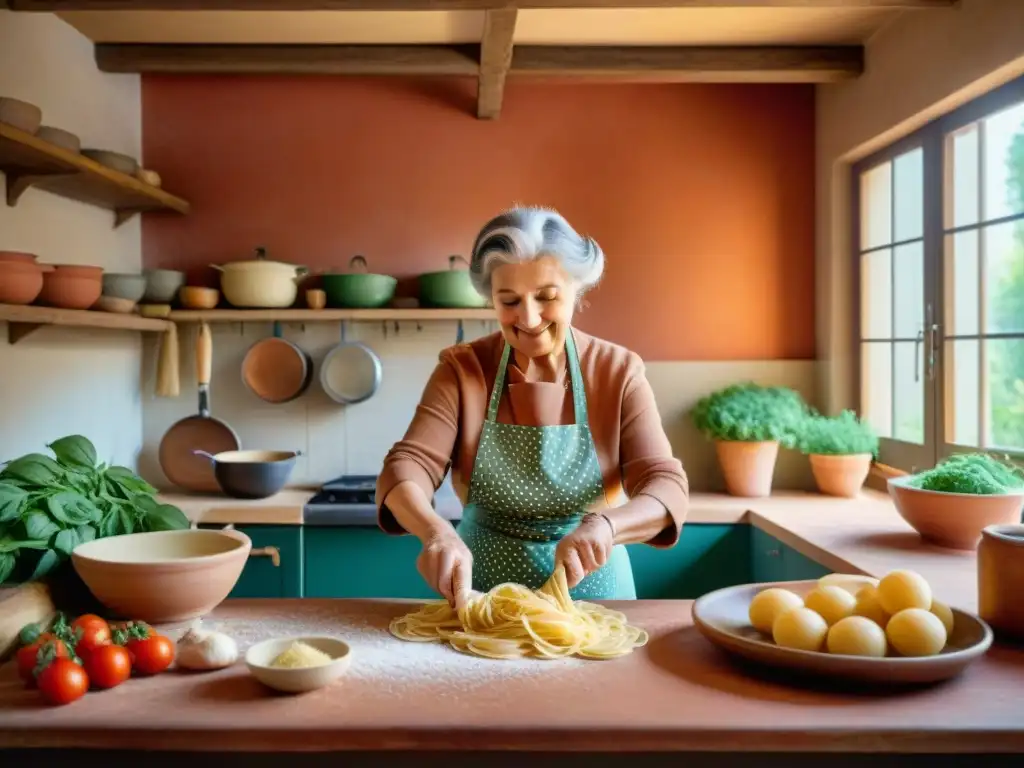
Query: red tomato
point(108, 665)
point(62, 682)
point(151, 654)
point(92, 632)
point(28, 655)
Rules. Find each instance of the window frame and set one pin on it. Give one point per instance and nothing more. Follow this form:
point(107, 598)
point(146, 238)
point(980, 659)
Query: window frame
point(931, 139)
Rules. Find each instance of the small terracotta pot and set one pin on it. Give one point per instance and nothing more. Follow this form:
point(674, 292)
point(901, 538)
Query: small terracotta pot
point(198, 297)
point(316, 298)
point(20, 282)
point(1001, 579)
point(840, 475)
point(69, 286)
point(748, 468)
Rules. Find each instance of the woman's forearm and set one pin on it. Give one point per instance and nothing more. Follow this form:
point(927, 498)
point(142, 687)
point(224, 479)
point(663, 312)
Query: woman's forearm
point(413, 511)
point(640, 520)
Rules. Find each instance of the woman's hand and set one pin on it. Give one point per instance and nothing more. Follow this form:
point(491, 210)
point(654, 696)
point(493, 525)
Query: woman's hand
point(446, 564)
point(586, 549)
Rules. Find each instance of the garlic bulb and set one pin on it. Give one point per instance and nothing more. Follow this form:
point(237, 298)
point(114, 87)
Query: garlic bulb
point(202, 648)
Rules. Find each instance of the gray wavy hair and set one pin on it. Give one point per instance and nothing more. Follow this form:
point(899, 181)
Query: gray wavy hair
point(525, 233)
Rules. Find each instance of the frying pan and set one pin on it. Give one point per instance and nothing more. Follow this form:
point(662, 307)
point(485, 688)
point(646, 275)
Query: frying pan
point(202, 432)
point(276, 370)
point(351, 372)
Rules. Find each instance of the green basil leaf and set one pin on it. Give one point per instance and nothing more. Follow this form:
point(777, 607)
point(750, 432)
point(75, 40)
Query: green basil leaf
point(34, 468)
point(38, 525)
point(129, 481)
point(85, 533)
point(165, 517)
point(72, 508)
point(110, 523)
point(8, 544)
point(126, 521)
point(6, 565)
point(47, 563)
point(74, 451)
point(66, 541)
point(12, 501)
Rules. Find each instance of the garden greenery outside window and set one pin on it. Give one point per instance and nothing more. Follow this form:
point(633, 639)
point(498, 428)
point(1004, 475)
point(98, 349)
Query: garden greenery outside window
point(939, 247)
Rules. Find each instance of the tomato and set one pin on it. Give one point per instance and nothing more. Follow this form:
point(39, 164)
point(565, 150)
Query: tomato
point(28, 655)
point(151, 654)
point(91, 631)
point(62, 682)
point(108, 665)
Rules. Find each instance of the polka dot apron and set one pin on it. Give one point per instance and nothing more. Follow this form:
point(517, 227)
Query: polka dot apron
point(530, 487)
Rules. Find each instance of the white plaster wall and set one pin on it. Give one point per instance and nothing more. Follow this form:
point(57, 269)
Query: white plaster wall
point(62, 381)
point(921, 66)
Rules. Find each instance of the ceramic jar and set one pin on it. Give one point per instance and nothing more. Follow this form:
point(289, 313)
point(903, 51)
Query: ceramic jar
point(1001, 579)
point(260, 283)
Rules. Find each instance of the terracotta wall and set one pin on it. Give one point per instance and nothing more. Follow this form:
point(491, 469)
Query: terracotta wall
point(701, 195)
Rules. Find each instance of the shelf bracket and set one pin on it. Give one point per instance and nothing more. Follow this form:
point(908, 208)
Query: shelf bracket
point(19, 183)
point(18, 331)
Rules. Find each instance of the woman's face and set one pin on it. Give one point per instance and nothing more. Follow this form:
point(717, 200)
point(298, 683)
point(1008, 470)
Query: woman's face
point(534, 301)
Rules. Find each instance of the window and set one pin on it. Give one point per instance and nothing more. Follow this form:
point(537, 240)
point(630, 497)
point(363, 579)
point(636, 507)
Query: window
point(939, 247)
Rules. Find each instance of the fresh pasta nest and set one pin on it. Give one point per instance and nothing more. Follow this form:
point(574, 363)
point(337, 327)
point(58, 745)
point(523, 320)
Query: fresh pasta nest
point(512, 621)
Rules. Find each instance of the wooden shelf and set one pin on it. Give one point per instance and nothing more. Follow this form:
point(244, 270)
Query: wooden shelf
point(23, 320)
point(29, 162)
point(326, 315)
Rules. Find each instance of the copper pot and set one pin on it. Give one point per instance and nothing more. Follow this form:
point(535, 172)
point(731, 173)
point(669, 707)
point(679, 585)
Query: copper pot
point(20, 282)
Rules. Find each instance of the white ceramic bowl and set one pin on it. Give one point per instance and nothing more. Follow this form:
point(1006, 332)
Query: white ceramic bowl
point(259, 657)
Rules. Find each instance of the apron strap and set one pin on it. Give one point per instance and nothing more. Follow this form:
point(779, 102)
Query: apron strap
point(579, 395)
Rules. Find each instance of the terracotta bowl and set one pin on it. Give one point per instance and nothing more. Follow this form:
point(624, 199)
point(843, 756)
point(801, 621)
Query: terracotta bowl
point(25, 258)
point(722, 617)
point(198, 297)
point(259, 657)
point(953, 520)
point(20, 282)
point(163, 576)
point(70, 286)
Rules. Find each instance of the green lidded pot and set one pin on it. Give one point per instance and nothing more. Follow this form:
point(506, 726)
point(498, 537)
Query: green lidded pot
point(358, 290)
point(450, 288)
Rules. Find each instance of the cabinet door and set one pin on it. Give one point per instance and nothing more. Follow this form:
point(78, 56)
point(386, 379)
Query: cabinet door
point(772, 560)
point(799, 567)
point(706, 558)
point(275, 565)
point(354, 561)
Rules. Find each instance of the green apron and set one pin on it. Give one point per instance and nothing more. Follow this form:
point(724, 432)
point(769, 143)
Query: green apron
point(530, 487)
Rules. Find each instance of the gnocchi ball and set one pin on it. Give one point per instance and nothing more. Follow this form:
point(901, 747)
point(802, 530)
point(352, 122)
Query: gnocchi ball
point(831, 603)
point(857, 636)
point(869, 606)
point(945, 616)
point(900, 590)
point(851, 582)
point(769, 604)
point(916, 632)
point(801, 629)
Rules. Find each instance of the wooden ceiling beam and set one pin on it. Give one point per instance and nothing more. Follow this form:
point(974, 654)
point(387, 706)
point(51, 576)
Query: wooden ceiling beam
point(495, 60)
point(756, 64)
point(444, 5)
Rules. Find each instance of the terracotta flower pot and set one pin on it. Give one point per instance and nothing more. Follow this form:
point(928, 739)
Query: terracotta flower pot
point(842, 475)
point(748, 468)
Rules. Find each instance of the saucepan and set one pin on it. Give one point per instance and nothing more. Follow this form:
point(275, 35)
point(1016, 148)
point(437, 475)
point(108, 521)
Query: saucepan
point(351, 372)
point(251, 474)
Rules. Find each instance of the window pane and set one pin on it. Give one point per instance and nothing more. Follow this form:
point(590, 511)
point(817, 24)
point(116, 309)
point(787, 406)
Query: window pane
point(1005, 385)
point(1004, 163)
point(908, 392)
point(963, 392)
point(1004, 277)
point(876, 295)
point(961, 276)
point(909, 197)
point(908, 286)
point(876, 207)
point(876, 385)
point(962, 195)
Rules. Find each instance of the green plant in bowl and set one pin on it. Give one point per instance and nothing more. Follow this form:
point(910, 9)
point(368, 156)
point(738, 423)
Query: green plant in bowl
point(840, 449)
point(748, 422)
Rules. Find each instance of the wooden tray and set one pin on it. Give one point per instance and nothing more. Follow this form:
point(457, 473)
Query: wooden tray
point(721, 616)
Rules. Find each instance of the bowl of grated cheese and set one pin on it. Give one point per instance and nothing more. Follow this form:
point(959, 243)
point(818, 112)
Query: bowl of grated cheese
point(298, 664)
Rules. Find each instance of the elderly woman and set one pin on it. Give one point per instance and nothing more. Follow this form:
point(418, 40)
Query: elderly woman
point(543, 427)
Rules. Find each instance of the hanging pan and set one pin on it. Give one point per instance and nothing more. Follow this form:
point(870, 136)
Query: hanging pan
point(276, 370)
point(202, 432)
point(351, 372)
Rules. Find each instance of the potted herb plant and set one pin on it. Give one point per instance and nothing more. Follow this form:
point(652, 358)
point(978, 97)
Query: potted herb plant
point(840, 449)
point(748, 422)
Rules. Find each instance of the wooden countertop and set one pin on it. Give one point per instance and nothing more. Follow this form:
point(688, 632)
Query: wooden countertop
point(677, 693)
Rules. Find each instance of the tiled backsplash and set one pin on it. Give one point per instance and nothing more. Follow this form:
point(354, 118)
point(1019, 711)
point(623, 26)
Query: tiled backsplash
point(338, 439)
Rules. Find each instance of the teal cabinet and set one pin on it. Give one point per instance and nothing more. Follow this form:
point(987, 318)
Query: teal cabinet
point(706, 558)
point(275, 563)
point(771, 560)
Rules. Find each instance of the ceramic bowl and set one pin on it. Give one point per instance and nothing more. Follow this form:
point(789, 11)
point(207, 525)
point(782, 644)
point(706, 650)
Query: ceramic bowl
point(198, 297)
point(122, 285)
point(163, 576)
point(115, 305)
point(162, 285)
point(259, 657)
point(71, 286)
point(722, 617)
point(953, 520)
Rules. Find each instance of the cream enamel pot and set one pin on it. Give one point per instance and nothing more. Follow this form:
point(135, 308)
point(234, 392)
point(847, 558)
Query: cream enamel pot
point(260, 283)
